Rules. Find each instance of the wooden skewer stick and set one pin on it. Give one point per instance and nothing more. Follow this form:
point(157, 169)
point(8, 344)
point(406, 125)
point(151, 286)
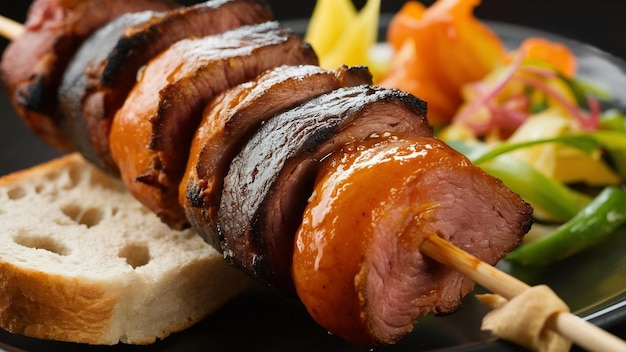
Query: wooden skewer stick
point(574, 328)
point(10, 29)
point(577, 330)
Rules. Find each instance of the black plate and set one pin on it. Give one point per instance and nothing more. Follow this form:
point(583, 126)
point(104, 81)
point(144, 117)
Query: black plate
point(592, 283)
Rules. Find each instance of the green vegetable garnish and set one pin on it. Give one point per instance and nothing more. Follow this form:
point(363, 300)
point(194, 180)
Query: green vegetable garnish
point(553, 199)
point(598, 220)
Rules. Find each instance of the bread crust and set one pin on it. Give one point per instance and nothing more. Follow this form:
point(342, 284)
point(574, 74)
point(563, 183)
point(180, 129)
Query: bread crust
point(38, 170)
point(82, 261)
point(47, 306)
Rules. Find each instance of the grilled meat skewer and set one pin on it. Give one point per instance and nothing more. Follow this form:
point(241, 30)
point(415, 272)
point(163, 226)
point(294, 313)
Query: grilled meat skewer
point(249, 195)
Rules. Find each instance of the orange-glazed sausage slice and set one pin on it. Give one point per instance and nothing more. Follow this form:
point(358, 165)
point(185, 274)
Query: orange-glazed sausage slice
point(357, 266)
point(152, 132)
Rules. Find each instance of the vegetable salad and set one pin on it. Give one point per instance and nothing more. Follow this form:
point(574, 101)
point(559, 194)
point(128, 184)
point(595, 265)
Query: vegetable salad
point(521, 115)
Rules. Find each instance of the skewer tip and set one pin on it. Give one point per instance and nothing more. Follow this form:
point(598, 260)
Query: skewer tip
point(9, 28)
point(572, 327)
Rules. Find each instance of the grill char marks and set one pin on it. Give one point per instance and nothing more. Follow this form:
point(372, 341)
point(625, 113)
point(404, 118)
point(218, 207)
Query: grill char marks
point(33, 64)
point(270, 180)
point(152, 132)
point(105, 68)
point(233, 116)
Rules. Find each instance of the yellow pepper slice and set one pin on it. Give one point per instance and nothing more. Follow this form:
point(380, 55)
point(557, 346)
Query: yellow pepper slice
point(330, 19)
point(558, 161)
point(354, 44)
point(341, 35)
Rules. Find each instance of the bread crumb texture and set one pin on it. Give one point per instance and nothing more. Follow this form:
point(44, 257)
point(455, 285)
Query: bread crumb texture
point(82, 261)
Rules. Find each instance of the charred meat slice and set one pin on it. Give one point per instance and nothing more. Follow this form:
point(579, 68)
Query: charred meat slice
point(233, 116)
point(271, 178)
point(357, 264)
point(152, 132)
point(33, 64)
point(104, 70)
point(72, 94)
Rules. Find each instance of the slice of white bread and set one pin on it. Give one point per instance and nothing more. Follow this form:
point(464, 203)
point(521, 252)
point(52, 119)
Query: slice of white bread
point(81, 260)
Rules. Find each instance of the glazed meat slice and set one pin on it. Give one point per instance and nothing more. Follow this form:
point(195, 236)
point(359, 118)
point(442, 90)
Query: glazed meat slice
point(271, 178)
point(233, 116)
point(104, 70)
point(357, 264)
point(33, 64)
point(152, 132)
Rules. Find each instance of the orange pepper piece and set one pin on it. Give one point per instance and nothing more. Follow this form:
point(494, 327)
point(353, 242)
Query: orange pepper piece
point(409, 77)
point(404, 23)
point(452, 48)
point(555, 54)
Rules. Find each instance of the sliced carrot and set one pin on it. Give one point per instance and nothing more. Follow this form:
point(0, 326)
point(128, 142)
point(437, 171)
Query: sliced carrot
point(404, 23)
point(555, 54)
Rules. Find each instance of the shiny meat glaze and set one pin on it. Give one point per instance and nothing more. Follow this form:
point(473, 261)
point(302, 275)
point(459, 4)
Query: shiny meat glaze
point(271, 178)
point(104, 70)
point(233, 116)
point(33, 63)
point(152, 132)
point(357, 263)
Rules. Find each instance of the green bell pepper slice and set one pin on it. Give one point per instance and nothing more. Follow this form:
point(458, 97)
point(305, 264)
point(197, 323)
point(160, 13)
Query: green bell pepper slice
point(597, 221)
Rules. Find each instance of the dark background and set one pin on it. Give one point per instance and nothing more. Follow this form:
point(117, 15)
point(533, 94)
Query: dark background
point(601, 23)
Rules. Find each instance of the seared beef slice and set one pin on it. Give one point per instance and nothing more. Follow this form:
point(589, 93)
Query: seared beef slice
point(233, 116)
point(105, 69)
point(271, 178)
